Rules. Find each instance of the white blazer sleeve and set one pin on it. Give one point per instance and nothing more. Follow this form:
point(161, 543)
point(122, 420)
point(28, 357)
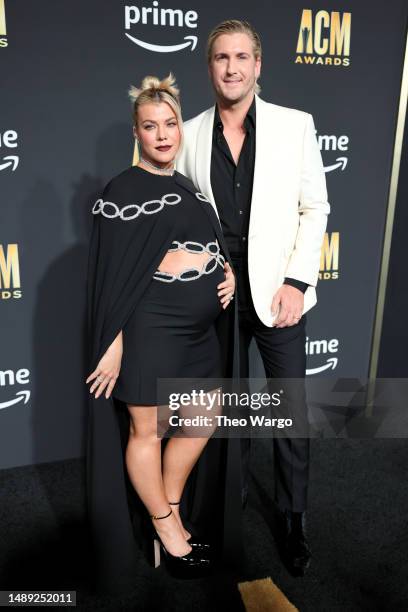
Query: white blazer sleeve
point(304, 261)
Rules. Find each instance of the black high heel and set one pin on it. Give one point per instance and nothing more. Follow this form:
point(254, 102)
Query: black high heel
point(191, 565)
point(203, 547)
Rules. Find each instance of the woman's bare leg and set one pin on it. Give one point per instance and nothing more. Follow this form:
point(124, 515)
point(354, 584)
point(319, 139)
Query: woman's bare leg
point(179, 458)
point(143, 462)
point(182, 453)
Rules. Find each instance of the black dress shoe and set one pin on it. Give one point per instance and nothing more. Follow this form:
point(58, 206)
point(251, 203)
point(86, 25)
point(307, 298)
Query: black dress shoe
point(292, 543)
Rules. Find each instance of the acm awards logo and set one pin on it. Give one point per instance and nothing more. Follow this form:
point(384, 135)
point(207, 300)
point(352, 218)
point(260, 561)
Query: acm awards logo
point(324, 38)
point(8, 379)
point(8, 140)
point(326, 351)
point(155, 18)
point(338, 144)
point(10, 285)
point(329, 257)
point(3, 29)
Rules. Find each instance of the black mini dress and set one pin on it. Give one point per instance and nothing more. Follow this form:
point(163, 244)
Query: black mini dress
point(171, 334)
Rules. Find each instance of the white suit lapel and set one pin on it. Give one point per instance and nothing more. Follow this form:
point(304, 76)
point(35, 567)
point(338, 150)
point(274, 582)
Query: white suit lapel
point(267, 151)
point(203, 156)
point(266, 172)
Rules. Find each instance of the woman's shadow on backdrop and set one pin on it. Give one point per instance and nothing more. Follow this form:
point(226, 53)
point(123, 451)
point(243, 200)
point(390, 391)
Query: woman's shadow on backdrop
point(59, 360)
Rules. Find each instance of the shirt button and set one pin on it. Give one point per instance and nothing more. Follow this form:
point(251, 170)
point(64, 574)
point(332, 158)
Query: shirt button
point(238, 184)
point(243, 238)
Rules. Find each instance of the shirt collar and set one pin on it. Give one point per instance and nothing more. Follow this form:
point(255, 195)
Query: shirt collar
point(251, 114)
point(249, 121)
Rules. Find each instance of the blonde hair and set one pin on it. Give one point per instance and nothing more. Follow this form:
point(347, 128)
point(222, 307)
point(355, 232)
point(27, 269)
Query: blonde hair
point(233, 26)
point(155, 90)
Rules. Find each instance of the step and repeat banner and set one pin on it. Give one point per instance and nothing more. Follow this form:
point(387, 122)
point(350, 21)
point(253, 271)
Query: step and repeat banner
point(65, 129)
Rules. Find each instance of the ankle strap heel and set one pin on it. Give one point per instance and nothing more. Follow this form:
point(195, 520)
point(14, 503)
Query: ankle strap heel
point(158, 518)
point(190, 565)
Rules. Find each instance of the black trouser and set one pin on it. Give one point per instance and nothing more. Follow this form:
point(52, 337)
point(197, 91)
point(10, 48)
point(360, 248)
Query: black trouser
point(283, 354)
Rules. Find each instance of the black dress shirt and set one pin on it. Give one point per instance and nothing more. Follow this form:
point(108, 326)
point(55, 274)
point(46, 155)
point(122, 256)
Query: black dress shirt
point(232, 186)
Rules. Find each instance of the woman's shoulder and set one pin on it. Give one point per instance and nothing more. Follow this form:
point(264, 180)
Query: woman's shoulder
point(121, 183)
point(182, 178)
point(184, 181)
point(136, 181)
point(188, 185)
point(135, 190)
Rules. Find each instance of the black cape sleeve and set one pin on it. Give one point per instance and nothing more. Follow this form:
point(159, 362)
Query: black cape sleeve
point(123, 256)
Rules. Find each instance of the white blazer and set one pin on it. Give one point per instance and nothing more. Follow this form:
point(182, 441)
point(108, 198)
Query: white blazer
point(289, 205)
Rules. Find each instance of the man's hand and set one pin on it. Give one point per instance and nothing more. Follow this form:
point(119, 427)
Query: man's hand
point(289, 301)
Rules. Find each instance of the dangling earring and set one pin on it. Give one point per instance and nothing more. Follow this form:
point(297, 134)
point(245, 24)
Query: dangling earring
point(136, 151)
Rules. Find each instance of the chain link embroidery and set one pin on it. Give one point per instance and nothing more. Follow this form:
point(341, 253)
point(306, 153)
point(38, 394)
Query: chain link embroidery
point(150, 207)
point(188, 274)
point(202, 197)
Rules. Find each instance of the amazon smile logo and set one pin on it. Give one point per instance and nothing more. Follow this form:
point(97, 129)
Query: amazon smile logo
point(8, 140)
point(322, 347)
point(335, 143)
point(9, 161)
point(8, 379)
point(155, 16)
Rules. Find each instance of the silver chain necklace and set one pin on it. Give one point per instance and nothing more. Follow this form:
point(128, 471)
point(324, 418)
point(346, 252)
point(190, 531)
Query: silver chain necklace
point(169, 171)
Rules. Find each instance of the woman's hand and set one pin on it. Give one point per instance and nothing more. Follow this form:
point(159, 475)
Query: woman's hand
point(108, 368)
point(226, 289)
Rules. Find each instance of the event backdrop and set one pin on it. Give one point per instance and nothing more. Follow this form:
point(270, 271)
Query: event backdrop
point(65, 129)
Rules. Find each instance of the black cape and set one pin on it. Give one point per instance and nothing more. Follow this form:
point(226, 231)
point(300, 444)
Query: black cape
point(123, 256)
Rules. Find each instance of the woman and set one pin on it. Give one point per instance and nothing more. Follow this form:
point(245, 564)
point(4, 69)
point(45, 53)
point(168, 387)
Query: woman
point(157, 282)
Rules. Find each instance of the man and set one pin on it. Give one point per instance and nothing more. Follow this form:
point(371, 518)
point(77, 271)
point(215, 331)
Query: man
point(261, 168)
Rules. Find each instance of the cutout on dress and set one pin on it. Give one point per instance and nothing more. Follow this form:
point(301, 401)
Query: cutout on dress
point(211, 258)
